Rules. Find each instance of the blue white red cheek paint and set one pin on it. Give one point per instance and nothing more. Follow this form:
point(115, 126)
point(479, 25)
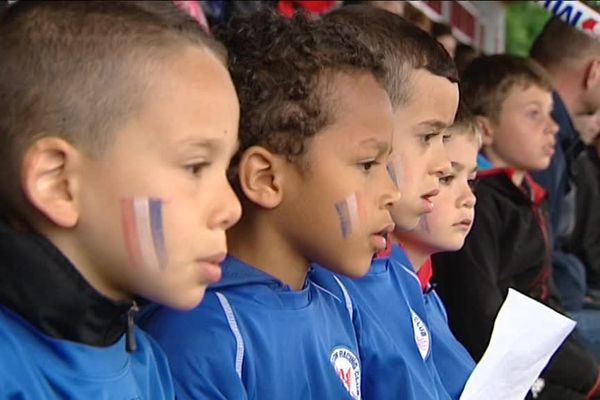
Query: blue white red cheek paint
point(351, 212)
point(394, 170)
point(142, 223)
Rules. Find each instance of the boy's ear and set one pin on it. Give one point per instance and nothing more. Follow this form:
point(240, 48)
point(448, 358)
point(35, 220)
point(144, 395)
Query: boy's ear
point(487, 131)
point(50, 179)
point(592, 74)
point(260, 176)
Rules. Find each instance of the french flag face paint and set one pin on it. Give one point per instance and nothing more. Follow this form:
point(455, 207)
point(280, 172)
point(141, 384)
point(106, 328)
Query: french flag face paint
point(142, 224)
point(351, 212)
point(394, 171)
point(424, 224)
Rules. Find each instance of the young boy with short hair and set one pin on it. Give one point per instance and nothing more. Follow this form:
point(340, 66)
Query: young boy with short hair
point(508, 246)
point(110, 191)
point(445, 229)
point(316, 134)
point(394, 341)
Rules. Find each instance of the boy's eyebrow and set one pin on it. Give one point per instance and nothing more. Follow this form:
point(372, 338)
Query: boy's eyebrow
point(459, 167)
point(435, 124)
point(536, 102)
point(205, 143)
point(380, 145)
point(541, 104)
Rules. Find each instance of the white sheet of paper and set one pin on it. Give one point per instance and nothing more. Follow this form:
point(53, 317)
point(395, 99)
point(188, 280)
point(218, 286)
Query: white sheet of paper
point(525, 335)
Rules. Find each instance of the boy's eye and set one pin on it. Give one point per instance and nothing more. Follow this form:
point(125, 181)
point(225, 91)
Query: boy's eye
point(472, 183)
point(426, 138)
point(367, 165)
point(534, 114)
point(196, 168)
point(446, 180)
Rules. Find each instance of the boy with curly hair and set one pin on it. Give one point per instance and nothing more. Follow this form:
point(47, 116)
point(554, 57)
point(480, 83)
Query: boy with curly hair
point(118, 123)
point(316, 133)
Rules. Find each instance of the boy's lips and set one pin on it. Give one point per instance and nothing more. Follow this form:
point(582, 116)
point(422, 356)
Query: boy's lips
point(549, 149)
point(426, 203)
point(380, 239)
point(216, 258)
point(211, 268)
point(464, 223)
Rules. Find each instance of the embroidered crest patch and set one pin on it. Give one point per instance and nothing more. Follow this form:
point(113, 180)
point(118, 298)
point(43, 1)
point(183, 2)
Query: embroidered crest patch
point(422, 336)
point(347, 368)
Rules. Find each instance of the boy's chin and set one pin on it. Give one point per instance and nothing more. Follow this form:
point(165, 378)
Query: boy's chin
point(358, 268)
point(184, 302)
point(406, 224)
point(447, 247)
point(538, 165)
point(405, 216)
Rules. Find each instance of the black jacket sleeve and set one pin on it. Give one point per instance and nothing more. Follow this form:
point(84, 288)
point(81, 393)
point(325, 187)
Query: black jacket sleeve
point(585, 240)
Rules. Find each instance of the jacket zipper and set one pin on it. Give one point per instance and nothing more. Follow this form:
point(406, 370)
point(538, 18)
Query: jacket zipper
point(130, 343)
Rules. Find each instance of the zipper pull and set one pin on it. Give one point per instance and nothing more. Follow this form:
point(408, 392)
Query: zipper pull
point(130, 344)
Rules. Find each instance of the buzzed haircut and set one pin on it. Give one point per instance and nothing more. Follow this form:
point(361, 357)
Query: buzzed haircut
point(404, 47)
point(281, 69)
point(488, 80)
point(559, 42)
point(78, 70)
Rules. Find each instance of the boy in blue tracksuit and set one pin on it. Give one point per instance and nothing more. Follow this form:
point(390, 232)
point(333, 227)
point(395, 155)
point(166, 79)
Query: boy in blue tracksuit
point(316, 131)
point(100, 105)
point(444, 229)
point(390, 319)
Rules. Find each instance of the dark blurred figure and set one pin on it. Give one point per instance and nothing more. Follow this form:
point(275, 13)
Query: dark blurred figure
point(443, 34)
point(417, 17)
point(394, 6)
point(219, 11)
point(463, 56)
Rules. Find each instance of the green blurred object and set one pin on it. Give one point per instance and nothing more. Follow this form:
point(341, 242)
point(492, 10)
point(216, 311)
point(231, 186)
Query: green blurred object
point(594, 3)
point(524, 21)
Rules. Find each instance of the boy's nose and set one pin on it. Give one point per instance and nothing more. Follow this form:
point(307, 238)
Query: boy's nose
point(552, 126)
point(391, 195)
point(468, 199)
point(392, 192)
point(440, 163)
point(229, 210)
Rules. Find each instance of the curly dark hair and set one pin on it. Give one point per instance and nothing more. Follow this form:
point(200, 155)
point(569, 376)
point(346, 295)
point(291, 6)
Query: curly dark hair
point(279, 67)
